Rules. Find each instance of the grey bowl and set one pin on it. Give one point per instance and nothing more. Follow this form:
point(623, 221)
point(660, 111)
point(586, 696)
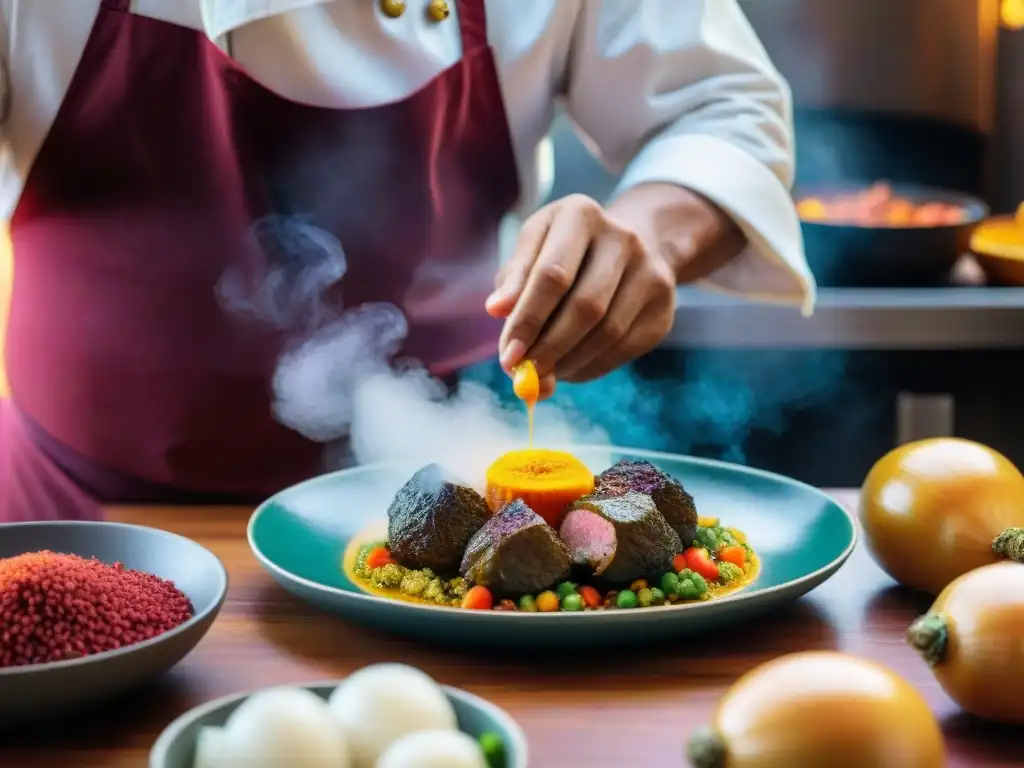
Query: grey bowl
point(45, 690)
point(175, 748)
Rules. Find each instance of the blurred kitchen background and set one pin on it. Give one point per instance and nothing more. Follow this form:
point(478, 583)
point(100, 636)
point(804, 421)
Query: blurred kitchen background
point(903, 344)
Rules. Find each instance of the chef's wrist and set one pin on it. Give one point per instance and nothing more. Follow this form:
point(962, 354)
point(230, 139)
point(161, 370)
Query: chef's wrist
point(691, 233)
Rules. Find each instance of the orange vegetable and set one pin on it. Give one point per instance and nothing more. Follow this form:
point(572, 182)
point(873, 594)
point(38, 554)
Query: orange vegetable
point(973, 638)
point(735, 555)
point(878, 206)
point(591, 597)
point(679, 562)
point(934, 509)
point(378, 557)
point(478, 598)
point(526, 383)
point(818, 709)
point(699, 561)
point(547, 602)
point(547, 481)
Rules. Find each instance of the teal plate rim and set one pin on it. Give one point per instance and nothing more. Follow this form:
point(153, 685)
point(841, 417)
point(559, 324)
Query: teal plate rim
point(174, 730)
point(503, 616)
point(96, 658)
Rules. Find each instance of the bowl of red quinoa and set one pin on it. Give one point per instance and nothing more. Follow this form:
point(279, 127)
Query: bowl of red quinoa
point(92, 610)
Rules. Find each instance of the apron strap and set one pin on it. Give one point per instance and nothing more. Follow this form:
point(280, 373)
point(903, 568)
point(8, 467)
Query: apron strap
point(472, 24)
point(122, 6)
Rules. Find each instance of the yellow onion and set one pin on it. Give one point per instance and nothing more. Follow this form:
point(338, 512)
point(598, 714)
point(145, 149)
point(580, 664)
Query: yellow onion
point(820, 710)
point(973, 639)
point(935, 509)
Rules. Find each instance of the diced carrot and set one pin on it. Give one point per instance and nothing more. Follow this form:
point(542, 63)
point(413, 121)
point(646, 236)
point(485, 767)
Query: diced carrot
point(591, 597)
point(478, 598)
point(734, 554)
point(547, 602)
point(679, 562)
point(379, 557)
point(699, 561)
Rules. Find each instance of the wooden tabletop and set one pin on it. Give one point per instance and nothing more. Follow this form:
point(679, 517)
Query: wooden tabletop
point(598, 710)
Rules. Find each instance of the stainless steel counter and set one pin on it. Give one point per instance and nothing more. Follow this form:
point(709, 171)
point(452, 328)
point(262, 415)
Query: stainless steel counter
point(853, 318)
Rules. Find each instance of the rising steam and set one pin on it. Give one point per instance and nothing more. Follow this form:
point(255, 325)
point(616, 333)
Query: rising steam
point(339, 382)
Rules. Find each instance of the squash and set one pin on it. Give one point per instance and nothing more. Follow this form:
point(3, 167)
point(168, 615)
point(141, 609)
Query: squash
point(820, 710)
point(547, 481)
point(935, 509)
point(973, 639)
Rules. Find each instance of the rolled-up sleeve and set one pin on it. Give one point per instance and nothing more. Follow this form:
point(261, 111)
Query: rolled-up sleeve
point(682, 92)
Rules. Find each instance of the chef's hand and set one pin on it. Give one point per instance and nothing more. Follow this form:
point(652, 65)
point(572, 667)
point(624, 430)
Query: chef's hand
point(588, 289)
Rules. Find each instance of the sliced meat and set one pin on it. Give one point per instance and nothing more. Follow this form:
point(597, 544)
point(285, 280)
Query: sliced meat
point(671, 499)
point(515, 553)
point(432, 518)
point(619, 538)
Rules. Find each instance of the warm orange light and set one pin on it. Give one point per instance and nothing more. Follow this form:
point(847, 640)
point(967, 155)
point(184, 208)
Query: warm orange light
point(1011, 14)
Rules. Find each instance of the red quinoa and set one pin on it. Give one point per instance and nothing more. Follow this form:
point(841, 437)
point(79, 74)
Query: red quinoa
point(55, 607)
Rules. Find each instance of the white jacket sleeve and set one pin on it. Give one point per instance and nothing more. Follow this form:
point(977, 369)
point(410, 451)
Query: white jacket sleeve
point(681, 91)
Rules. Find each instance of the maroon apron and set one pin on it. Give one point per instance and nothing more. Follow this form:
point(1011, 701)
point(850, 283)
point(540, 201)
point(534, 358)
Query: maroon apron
point(166, 169)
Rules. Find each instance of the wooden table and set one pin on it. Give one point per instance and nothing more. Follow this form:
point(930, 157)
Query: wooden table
point(598, 710)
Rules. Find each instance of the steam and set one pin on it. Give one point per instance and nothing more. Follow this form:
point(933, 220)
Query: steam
point(338, 382)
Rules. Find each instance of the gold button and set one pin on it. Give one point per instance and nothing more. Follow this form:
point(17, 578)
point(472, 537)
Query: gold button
point(438, 10)
point(392, 8)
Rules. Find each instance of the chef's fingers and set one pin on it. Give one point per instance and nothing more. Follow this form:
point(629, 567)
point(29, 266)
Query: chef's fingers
point(588, 301)
point(551, 276)
point(511, 278)
point(640, 315)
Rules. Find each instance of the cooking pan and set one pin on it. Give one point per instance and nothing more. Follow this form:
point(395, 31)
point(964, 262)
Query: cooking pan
point(855, 255)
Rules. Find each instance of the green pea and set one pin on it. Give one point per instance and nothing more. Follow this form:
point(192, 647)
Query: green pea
point(688, 590)
point(699, 583)
point(527, 604)
point(572, 602)
point(494, 749)
point(657, 596)
point(670, 583)
point(707, 537)
point(626, 599)
point(645, 597)
point(565, 589)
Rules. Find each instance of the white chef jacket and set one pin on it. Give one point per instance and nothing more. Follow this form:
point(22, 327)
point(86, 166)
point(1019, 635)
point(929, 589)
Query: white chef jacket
point(677, 91)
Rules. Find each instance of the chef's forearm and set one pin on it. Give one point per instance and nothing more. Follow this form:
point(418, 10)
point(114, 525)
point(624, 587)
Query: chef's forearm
point(690, 232)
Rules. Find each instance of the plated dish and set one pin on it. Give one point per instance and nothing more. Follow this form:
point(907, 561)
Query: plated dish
point(797, 538)
point(547, 535)
point(879, 205)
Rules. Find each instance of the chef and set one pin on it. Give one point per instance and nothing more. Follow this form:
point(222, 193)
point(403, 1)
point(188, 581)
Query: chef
point(144, 142)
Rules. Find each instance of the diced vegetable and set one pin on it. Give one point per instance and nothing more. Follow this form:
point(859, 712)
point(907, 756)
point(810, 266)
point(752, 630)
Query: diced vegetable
point(699, 582)
point(735, 554)
point(494, 750)
point(505, 605)
point(688, 590)
point(626, 599)
point(699, 560)
point(565, 589)
point(572, 602)
point(657, 596)
point(379, 557)
point(707, 522)
point(547, 602)
point(670, 584)
point(645, 597)
point(591, 597)
point(639, 584)
point(679, 562)
point(478, 598)
point(527, 604)
point(729, 572)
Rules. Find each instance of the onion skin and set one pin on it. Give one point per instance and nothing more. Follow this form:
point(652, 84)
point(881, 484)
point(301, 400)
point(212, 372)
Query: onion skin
point(820, 710)
point(973, 639)
point(936, 509)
